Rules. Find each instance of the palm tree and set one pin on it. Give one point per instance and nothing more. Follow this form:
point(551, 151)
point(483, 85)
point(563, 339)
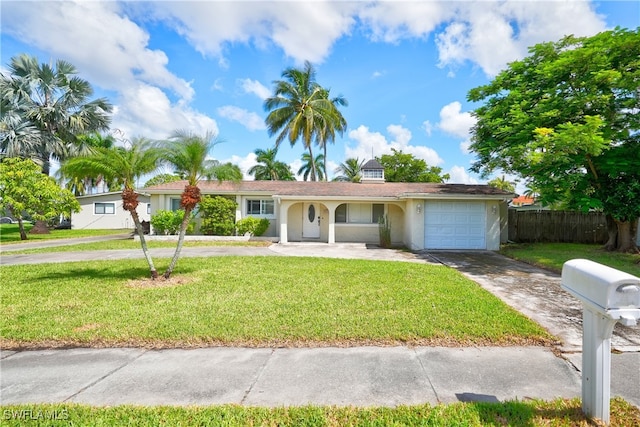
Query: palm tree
point(350, 170)
point(307, 169)
point(49, 107)
point(124, 165)
point(56, 103)
point(501, 183)
point(300, 109)
point(18, 137)
point(188, 153)
point(268, 168)
point(88, 143)
point(335, 123)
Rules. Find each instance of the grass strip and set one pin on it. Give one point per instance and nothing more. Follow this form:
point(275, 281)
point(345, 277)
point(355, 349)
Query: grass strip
point(253, 301)
point(553, 255)
point(133, 245)
point(10, 233)
point(559, 413)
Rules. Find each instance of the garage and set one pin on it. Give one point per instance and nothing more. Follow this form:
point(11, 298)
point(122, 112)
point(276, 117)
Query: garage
point(455, 225)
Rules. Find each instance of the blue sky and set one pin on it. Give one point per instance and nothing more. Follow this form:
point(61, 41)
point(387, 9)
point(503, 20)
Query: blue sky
point(404, 67)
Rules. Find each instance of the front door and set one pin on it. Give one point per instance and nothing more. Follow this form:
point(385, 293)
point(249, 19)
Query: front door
point(311, 221)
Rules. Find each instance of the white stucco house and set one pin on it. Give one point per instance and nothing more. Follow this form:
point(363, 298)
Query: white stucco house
point(104, 211)
point(422, 215)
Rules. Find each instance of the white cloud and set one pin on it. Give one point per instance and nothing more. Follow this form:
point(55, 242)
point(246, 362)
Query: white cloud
point(303, 30)
point(465, 145)
point(146, 110)
point(96, 38)
point(255, 87)
point(251, 121)
point(392, 21)
point(455, 122)
point(112, 52)
point(488, 33)
point(244, 163)
point(428, 127)
point(459, 175)
point(374, 143)
point(494, 33)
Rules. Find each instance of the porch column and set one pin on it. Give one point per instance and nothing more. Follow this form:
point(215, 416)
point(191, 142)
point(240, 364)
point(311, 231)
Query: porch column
point(238, 207)
point(283, 214)
point(332, 225)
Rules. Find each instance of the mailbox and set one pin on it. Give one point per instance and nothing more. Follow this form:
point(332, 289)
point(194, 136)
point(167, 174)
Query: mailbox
point(605, 290)
point(608, 296)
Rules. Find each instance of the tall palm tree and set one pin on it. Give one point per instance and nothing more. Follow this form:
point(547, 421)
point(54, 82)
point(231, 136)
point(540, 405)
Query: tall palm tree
point(350, 170)
point(307, 170)
point(56, 103)
point(124, 165)
point(301, 109)
point(335, 123)
point(187, 153)
point(270, 169)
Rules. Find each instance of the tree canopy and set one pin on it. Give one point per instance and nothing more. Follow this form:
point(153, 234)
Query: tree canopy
point(270, 169)
point(567, 119)
point(44, 108)
point(25, 189)
point(300, 109)
point(405, 167)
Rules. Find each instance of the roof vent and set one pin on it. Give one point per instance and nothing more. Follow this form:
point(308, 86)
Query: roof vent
point(372, 172)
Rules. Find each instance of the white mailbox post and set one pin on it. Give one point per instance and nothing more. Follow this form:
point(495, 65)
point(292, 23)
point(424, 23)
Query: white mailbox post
point(608, 296)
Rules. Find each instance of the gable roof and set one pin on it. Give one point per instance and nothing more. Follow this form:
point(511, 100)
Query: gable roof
point(337, 190)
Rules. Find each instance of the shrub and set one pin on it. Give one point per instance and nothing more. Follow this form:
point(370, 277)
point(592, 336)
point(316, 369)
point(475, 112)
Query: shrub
point(218, 215)
point(385, 231)
point(168, 222)
point(254, 226)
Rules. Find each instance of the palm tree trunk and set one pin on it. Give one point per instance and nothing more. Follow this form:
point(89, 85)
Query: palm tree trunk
point(324, 149)
point(143, 243)
point(313, 165)
point(183, 231)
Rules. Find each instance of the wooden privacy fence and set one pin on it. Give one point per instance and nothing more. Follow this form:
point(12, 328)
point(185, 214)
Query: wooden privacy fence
point(557, 226)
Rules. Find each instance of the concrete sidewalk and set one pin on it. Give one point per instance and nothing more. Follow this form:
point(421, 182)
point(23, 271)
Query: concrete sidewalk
point(362, 376)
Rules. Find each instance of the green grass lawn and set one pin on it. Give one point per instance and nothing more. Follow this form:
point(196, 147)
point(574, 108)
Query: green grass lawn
point(559, 413)
point(553, 255)
point(10, 233)
point(254, 301)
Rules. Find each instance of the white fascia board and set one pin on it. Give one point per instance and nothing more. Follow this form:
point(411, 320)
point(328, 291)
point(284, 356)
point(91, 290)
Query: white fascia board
point(439, 196)
point(337, 198)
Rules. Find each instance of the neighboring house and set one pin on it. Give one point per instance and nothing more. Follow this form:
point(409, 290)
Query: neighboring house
point(522, 201)
point(422, 215)
point(104, 211)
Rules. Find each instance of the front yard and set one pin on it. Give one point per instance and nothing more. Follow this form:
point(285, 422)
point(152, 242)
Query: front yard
point(253, 301)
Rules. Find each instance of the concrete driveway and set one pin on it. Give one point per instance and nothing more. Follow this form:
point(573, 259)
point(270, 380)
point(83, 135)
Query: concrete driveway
point(534, 292)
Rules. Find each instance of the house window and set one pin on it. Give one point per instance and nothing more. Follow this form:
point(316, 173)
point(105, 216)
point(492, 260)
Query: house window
point(263, 208)
point(175, 204)
point(359, 213)
point(377, 212)
point(104, 208)
point(373, 173)
point(148, 208)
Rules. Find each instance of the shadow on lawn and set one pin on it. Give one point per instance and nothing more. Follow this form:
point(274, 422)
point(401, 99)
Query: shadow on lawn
point(521, 414)
point(108, 273)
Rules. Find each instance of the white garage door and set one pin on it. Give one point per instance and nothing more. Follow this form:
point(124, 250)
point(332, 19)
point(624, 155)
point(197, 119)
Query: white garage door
point(455, 225)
